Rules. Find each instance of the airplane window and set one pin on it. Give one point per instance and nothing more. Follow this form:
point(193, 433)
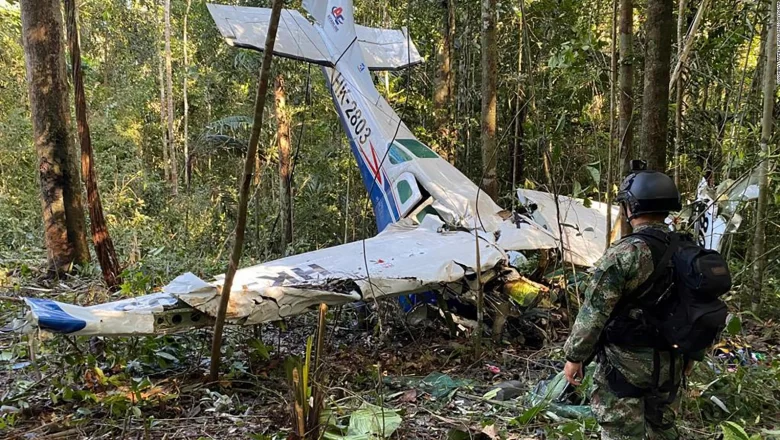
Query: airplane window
point(404, 190)
point(397, 155)
point(418, 149)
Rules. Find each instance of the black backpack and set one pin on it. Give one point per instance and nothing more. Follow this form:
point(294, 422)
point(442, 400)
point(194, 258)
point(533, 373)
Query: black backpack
point(681, 299)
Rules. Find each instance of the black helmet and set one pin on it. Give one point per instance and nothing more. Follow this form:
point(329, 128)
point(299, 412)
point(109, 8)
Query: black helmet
point(649, 192)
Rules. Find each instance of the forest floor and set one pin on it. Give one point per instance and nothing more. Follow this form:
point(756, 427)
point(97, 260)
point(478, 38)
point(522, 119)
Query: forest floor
point(155, 388)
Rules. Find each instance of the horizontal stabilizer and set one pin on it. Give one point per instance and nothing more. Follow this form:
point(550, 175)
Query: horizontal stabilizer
point(247, 27)
point(387, 49)
point(298, 39)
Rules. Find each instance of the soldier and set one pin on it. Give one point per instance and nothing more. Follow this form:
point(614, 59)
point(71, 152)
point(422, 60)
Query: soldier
point(627, 398)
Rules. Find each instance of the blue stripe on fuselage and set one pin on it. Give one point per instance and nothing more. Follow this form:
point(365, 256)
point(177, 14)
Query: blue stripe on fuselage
point(381, 196)
point(52, 318)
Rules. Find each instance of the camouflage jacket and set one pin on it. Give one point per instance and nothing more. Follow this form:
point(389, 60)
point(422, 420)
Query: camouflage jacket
point(622, 268)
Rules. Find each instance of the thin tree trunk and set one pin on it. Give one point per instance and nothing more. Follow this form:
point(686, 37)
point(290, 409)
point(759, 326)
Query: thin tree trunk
point(489, 59)
point(104, 246)
point(680, 91)
point(626, 109)
point(517, 159)
point(759, 241)
point(169, 96)
point(246, 181)
point(655, 99)
point(58, 171)
point(685, 48)
point(187, 165)
point(613, 78)
point(443, 94)
point(163, 118)
point(285, 190)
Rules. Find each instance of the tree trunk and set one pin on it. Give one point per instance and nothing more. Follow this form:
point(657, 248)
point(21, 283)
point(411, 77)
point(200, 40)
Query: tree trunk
point(517, 158)
point(687, 45)
point(163, 119)
point(104, 246)
point(243, 194)
point(443, 95)
point(680, 91)
point(285, 190)
point(759, 242)
point(655, 99)
point(187, 165)
point(613, 78)
point(626, 108)
point(169, 96)
point(63, 213)
point(489, 57)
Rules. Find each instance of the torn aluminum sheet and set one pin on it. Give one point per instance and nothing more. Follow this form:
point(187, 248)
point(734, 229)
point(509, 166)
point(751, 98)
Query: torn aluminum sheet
point(584, 229)
point(405, 258)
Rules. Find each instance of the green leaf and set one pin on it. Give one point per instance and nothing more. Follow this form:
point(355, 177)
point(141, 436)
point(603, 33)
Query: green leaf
point(595, 174)
point(166, 356)
point(734, 326)
point(732, 431)
point(137, 411)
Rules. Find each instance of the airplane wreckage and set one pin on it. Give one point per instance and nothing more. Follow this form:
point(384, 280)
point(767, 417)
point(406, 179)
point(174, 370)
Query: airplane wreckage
point(438, 231)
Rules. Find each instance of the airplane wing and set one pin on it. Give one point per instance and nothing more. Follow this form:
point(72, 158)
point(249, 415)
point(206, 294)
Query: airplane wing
point(403, 259)
point(584, 230)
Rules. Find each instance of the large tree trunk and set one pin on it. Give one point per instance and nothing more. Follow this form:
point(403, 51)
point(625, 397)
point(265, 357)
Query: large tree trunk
point(169, 97)
point(680, 91)
point(443, 95)
point(613, 78)
point(187, 166)
point(655, 99)
point(759, 242)
point(243, 194)
point(489, 58)
point(63, 213)
point(104, 246)
point(626, 107)
point(285, 164)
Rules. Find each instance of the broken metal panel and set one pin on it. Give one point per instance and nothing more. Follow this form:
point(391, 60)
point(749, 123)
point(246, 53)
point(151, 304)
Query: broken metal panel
point(133, 316)
point(584, 229)
point(387, 49)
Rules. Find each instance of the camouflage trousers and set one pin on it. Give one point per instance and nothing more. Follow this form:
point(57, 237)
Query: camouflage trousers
point(630, 418)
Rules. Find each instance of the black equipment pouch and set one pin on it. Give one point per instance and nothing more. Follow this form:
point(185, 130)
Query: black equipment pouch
point(619, 384)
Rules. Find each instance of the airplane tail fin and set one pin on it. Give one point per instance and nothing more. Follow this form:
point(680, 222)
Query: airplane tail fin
point(337, 21)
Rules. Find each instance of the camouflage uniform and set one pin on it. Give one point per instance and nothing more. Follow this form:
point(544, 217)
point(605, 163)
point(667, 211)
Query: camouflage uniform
point(624, 266)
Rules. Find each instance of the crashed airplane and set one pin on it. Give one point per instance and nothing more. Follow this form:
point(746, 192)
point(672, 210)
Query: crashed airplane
point(436, 229)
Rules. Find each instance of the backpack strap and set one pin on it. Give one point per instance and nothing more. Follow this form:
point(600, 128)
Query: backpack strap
point(662, 242)
point(670, 242)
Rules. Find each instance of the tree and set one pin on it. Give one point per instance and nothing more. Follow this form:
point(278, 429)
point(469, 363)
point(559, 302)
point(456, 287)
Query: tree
point(243, 194)
point(63, 213)
point(759, 241)
point(445, 83)
point(655, 98)
point(285, 168)
point(169, 97)
point(678, 132)
point(104, 246)
point(626, 78)
point(163, 117)
point(517, 154)
point(489, 60)
point(187, 168)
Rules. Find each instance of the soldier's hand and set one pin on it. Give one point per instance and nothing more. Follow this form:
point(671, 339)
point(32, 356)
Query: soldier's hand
point(573, 372)
point(689, 367)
